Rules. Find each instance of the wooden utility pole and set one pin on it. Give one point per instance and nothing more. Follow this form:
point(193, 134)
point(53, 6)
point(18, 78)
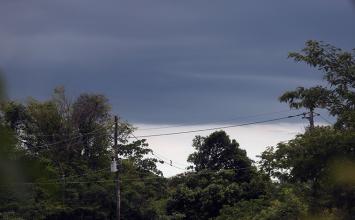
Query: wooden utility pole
point(311, 119)
point(63, 190)
point(118, 190)
point(310, 116)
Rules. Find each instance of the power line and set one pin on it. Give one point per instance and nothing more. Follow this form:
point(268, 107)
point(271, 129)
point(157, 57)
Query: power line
point(58, 180)
point(59, 142)
point(80, 182)
point(159, 156)
point(79, 175)
point(74, 176)
point(89, 173)
point(199, 130)
point(217, 128)
point(170, 164)
point(171, 160)
point(51, 135)
point(125, 179)
point(67, 182)
point(164, 162)
point(194, 124)
point(326, 120)
point(68, 139)
point(165, 134)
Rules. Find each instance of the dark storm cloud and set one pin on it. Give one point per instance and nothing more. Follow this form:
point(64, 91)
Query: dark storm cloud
point(168, 61)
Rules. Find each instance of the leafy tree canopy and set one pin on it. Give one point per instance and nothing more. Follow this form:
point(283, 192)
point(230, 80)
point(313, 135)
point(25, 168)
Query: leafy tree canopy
point(338, 67)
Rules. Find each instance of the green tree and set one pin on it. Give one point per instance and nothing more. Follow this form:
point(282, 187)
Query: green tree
point(216, 152)
point(312, 98)
point(310, 159)
point(320, 160)
point(284, 204)
point(224, 176)
point(338, 67)
point(63, 149)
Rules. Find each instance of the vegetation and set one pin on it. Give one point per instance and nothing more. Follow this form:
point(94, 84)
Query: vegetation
point(64, 151)
point(55, 160)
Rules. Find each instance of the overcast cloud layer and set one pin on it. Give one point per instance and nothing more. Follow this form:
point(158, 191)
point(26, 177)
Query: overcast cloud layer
point(168, 61)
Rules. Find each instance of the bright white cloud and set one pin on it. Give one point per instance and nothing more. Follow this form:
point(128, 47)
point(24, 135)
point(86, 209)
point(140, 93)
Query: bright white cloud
point(254, 139)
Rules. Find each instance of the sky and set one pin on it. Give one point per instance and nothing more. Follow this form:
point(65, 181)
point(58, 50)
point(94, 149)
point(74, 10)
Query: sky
point(165, 62)
point(254, 139)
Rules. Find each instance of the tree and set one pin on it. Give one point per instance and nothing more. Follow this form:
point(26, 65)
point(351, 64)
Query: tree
point(338, 67)
point(312, 98)
point(285, 204)
point(224, 176)
point(319, 161)
point(67, 145)
point(216, 152)
point(315, 159)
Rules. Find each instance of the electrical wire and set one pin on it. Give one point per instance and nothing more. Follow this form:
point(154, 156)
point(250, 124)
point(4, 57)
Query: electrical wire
point(164, 162)
point(99, 129)
point(155, 135)
point(326, 120)
point(166, 158)
point(199, 130)
point(85, 174)
point(58, 142)
point(69, 139)
point(168, 163)
point(231, 120)
point(217, 128)
point(122, 179)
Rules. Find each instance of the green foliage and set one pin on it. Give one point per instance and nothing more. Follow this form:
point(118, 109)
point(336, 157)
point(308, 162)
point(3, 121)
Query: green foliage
point(217, 151)
point(306, 157)
point(285, 204)
point(312, 98)
point(63, 150)
point(136, 152)
point(202, 195)
point(339, 71)
point(322, 160)
point(224, 176)
point(55, 155)
point(143, 192)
